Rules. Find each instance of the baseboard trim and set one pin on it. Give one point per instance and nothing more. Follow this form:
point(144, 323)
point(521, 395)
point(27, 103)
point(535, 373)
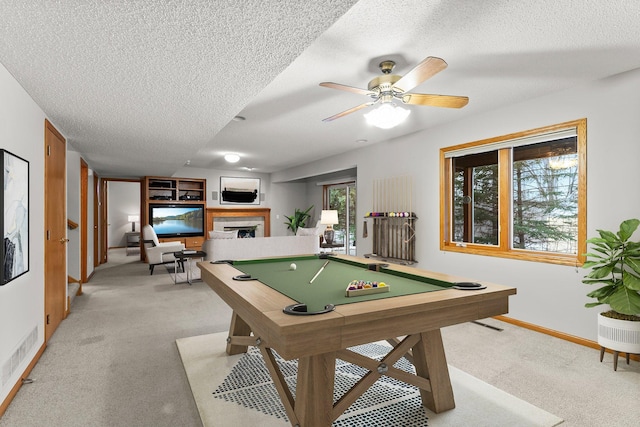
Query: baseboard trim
point(561, 335)
point(5, 403)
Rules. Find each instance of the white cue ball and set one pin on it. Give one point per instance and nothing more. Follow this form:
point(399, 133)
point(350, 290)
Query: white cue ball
point(293, 266)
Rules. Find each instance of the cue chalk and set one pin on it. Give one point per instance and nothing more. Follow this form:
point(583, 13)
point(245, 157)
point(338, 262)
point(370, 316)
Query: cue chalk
point(319, 271)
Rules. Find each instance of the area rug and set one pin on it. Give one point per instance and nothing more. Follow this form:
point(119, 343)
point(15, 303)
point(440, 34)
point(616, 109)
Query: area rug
point(237, 390)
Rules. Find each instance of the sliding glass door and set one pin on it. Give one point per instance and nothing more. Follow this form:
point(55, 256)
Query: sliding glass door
point(342, 197)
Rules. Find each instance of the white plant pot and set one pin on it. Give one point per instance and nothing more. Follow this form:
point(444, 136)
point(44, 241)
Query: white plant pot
point(619, 335)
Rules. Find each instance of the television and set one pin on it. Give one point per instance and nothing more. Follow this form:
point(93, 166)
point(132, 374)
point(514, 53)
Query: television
point(182, 220)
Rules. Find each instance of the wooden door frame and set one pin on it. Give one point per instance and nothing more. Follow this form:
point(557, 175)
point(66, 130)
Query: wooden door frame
point(104, 219)
point(84, 219)
point(96, 220)
point(104, 249)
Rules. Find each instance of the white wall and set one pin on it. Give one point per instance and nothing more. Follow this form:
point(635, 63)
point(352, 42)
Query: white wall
point(22, 300)
point(123, 199)
point(549, 295)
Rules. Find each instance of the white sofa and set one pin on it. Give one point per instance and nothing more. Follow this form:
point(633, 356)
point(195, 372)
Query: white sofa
point(260, 247)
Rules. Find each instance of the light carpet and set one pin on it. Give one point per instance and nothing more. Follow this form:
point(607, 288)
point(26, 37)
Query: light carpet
point(222, 401)
point(181, 276)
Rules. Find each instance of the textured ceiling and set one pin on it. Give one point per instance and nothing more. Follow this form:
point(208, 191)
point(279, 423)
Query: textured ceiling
point(139, 88)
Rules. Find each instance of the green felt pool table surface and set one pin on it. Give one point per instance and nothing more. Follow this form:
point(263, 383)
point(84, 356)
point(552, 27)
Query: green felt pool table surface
point(330, 285)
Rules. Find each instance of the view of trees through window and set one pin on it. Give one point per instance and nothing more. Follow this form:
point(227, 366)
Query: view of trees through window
point(544, 200)
point(475, 203)
point(342, 197)
point(545, 197)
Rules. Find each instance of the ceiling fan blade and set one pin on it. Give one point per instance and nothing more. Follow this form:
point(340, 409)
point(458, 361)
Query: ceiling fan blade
point(347, 88)
point(428, 68)
point(446, 101)
point(349, 111)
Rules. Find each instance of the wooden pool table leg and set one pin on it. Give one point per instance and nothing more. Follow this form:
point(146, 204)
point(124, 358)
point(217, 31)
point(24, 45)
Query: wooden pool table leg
point(314, 390)
point(430, 362)
point(238, 327)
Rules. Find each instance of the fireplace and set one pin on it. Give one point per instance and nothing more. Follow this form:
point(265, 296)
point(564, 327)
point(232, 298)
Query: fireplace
point(251, 222)
point(244, 231)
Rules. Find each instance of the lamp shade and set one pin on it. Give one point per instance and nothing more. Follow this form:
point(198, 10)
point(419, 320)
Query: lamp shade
point(329, 217)
point(133, 218)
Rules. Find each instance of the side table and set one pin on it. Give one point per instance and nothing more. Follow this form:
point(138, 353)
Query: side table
point(133, 240)
point(180, 257)
point(325, 245)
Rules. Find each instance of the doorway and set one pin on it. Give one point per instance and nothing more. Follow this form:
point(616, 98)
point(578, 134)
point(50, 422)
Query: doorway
point(342, 197)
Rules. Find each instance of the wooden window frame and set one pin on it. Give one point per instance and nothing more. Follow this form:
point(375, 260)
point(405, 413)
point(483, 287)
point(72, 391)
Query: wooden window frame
point(504, 247)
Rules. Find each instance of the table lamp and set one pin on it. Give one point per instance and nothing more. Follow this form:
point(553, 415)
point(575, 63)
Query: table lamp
point(133, 219)
point(329, 218)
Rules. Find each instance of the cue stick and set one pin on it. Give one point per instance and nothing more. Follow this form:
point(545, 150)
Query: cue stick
point(319, 271)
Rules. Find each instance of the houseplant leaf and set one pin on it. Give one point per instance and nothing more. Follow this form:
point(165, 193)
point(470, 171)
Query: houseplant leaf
point(627, 228)
point(625, 301)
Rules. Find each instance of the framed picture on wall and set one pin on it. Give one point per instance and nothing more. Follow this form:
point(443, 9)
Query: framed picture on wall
point(245, 191)
point(15, 217)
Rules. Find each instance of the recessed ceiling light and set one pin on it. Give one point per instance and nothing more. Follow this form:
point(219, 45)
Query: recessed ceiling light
point(248, 168)
point(361, 141)
point(239, 118)
point(232, 158)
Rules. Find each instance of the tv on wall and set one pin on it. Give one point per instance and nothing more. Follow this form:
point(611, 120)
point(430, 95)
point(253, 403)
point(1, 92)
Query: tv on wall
point(177, 220)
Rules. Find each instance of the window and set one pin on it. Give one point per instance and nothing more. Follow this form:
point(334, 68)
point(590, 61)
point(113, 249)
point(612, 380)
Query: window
point(519, 196)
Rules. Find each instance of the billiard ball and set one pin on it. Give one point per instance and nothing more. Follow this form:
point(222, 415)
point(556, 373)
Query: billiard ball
point(293, 266)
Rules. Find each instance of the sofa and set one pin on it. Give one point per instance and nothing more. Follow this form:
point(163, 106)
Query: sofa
point(259, 247)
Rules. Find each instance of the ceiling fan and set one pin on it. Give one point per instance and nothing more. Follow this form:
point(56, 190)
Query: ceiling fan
point(387, 87)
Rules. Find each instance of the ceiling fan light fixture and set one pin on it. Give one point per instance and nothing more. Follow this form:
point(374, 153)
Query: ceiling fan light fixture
point(387, 116)
point(232, 158)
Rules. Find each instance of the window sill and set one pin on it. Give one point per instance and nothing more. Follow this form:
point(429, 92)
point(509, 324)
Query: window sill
point(522, 255)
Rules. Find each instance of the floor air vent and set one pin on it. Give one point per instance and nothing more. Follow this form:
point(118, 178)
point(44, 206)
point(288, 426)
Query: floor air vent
point(10, 366)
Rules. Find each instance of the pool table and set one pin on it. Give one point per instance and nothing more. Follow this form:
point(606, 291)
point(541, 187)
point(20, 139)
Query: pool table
point(417, 304)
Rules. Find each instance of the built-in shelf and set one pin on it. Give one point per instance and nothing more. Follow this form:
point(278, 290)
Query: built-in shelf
point(161, 189)
point(393, 237)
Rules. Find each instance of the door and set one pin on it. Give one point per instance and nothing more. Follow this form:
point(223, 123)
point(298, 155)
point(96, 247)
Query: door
point(55, 233)
point(342, 197)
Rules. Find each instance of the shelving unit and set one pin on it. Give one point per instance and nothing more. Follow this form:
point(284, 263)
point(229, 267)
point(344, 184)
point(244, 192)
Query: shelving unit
point(393, 237)
point(172, 190)
point(393, 220)
point(159, 189)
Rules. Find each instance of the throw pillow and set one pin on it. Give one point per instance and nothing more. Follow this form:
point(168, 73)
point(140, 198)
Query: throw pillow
point(307, 231)
point(223, 234)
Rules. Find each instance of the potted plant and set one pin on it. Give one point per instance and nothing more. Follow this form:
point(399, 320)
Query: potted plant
point(298, 219)
point(615, 265)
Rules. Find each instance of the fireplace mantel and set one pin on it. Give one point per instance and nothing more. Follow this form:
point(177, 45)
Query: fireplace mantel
point(265, 213)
